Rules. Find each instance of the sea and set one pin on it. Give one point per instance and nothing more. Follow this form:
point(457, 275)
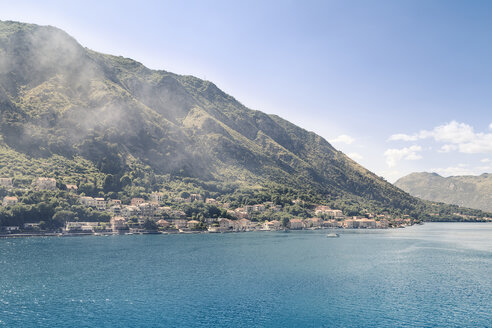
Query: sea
point(431, 275)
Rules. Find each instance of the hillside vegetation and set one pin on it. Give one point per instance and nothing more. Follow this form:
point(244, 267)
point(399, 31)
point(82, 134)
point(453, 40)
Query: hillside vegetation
point(118, 129)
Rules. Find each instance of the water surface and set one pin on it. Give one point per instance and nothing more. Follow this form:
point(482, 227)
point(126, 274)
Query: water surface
point(435, 275)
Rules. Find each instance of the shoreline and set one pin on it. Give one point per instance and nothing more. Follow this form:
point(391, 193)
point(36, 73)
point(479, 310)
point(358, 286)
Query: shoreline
point(105, 234)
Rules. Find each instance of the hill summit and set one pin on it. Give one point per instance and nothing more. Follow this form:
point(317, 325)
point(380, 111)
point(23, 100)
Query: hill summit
point(469, 191)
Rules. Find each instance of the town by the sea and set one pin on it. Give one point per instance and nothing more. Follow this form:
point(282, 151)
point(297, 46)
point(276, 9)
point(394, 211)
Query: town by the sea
point(431, 275)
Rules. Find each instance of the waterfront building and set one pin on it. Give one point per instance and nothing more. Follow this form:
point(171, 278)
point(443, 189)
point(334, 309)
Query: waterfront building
point(295, 224)
point(193, 224)
point(163, 223)
point(118, 223)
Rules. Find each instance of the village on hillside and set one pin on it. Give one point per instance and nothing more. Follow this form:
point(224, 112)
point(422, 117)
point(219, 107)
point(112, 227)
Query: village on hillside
point(154, 215)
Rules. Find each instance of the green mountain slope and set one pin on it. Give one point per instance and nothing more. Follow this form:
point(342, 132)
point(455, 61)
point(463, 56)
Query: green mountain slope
point(469, 191)
point(62, 104)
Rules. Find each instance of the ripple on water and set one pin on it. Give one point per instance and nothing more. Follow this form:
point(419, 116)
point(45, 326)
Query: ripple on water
point(430, 275)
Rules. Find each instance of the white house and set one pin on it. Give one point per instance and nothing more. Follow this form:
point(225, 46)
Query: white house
point(9, 200)
point(44, 184)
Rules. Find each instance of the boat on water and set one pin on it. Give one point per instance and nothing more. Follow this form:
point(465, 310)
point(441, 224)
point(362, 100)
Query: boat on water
point(332, 235)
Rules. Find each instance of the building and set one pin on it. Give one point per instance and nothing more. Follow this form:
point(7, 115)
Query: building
point(195, 197)
point(211, 201)
point(259, 208)
point(44, 184)
point(242, 225)
point(87, 201)
point(163, 224)
point(147, 210)
point(193, 224)
point(11, 229)
point(242, 212)
point(118, 223)
point(296, 224)
point(225, 224)
point(9, 200)
point(100, 204)
point(330, 224)
point(271, 225)
point(6, 182)
point(327, 211)
point(72, 187)
point(113, 202)
point(180, 223)
point(363, 223)
point(137, 201)
point(115, 210)
point(86, 227)
point(156, 197)
point(129, 211)
point(382, 224)
point(32, 226)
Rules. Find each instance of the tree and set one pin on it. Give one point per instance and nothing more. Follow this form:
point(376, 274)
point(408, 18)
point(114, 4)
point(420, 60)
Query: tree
point(109, 183)
point(60, 217)
point(125, 181)
point(150, 225)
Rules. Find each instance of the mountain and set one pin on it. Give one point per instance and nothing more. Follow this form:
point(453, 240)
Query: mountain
point(469, 191)
point(81, 116)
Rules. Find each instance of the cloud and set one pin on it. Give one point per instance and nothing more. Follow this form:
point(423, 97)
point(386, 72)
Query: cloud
point(403, 137)
point(447, 148)
point(393, 156)
point(490, 126)
point(343, 138)
point(456, 136)
point(355, 156)
point(485, 160)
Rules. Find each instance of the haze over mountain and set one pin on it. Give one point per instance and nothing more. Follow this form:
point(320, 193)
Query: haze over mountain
point(63, 105)
point(468, 190)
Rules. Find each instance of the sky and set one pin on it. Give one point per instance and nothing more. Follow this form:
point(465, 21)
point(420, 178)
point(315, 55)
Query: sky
point(399, 86)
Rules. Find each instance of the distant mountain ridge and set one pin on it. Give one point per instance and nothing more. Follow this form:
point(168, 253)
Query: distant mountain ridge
point(62, 105)
point(469, 191)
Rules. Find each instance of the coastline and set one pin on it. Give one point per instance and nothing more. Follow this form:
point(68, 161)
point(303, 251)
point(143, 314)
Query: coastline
point(104, 234)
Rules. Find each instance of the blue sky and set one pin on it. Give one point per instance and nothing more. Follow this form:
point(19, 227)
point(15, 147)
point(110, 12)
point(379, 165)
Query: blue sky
point(400, 86)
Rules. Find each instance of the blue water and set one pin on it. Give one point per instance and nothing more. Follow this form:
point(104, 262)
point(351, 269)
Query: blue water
point(435, 275)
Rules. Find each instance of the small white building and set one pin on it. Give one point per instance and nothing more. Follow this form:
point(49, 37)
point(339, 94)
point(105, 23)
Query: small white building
point(271, 225)
point(156, 197)
point(9, 200)
point(100, 204)
point(44, 184)
point(193, 224)
point(87, 201)
point(6, 182)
